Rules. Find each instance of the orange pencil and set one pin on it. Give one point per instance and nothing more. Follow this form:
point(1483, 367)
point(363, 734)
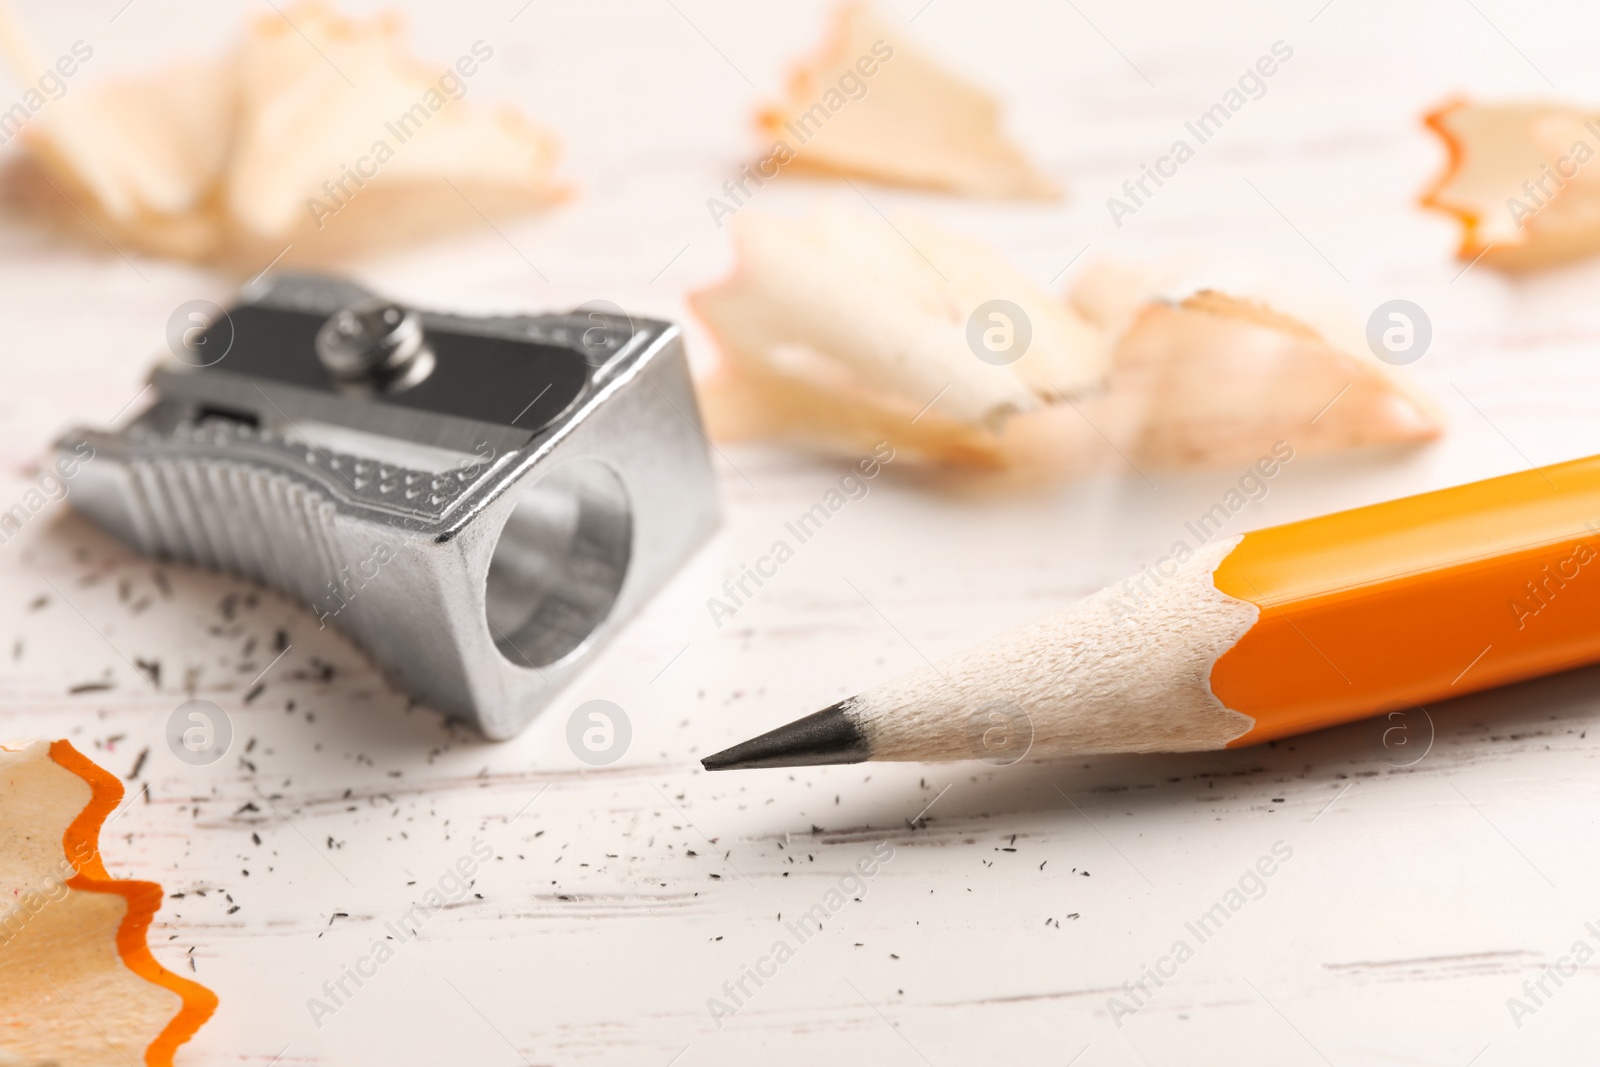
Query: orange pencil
point(1258, 636)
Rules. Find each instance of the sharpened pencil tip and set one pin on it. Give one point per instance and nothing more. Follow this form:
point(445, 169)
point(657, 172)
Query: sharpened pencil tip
point(826, 736)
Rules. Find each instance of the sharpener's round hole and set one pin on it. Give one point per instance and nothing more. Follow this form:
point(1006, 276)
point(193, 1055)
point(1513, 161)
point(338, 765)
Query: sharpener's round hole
point(559, 564)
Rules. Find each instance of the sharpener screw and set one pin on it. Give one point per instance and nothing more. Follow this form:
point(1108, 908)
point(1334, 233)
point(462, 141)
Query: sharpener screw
point(375, 345)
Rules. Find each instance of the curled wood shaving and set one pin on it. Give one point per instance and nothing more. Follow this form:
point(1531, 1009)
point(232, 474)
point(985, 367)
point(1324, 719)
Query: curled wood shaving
point(844, 329)
point(841, 331)
point(1522, 181)
point(1217, 380)
point(318, 134)
point(872, 103)
point(81, 986)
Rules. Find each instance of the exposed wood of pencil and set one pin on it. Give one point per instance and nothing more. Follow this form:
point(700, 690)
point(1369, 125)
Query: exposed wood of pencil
point(1245, 639)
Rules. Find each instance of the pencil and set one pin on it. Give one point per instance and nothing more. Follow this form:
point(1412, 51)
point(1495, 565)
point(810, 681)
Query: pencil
point(1256, 636)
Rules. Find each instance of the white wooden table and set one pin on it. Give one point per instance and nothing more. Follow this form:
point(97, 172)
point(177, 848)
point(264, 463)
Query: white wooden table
point(1417, 898)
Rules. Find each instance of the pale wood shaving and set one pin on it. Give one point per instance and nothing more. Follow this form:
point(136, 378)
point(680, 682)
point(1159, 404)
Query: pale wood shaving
point(1523, 181)
point(238, 159)
point(918, 123)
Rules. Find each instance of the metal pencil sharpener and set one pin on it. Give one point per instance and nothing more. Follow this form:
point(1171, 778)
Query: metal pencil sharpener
point(478, 501)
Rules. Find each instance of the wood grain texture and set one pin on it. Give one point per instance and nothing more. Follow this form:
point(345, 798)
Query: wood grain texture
point(1433, 870)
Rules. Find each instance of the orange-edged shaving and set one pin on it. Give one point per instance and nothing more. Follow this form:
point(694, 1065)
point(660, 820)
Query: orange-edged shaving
point(1437, 195)
point(78, 983)
point(1522, 179)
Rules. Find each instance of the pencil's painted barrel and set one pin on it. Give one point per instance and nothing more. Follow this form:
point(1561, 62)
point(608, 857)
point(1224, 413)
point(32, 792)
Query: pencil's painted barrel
point(1416, 600)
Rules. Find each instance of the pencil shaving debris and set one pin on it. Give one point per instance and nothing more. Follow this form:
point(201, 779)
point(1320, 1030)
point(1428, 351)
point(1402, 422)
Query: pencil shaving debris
point(318, 133)
point(1212, 379)
point(872, 104)
point(845, 330)
point(1519, 181)
point(82, 986)
point(842, 332)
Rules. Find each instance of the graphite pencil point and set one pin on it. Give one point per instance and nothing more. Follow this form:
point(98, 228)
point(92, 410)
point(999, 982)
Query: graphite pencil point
point(826, 736)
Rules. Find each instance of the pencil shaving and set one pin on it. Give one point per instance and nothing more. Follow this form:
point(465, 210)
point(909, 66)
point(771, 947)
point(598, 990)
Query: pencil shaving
point(82, 986)
point(873, 104)
point(1216, 380)
point(1519, 181)
point(330, 150)
point(841, 332)
point(844, 330)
